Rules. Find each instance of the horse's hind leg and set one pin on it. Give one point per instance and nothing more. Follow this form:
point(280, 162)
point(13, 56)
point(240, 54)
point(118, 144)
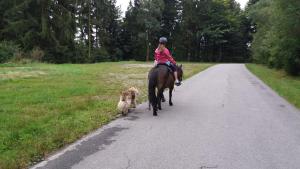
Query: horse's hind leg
point(170, 97)
point(159, 99)
point(149, 106)
point(163, 97)
point(154, 106)
point(153, 103)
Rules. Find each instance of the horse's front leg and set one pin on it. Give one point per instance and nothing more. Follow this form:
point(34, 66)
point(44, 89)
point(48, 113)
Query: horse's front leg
point(170, 96)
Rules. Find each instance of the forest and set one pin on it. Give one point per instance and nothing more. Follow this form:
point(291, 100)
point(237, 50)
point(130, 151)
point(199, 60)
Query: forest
point(90, 31)
point(276, 36)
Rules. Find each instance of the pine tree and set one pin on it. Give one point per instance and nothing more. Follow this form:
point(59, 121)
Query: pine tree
point(169, 19)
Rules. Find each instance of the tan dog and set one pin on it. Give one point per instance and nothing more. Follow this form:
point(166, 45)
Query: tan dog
point(134, 93)
point(124, 103)
point(128, 100)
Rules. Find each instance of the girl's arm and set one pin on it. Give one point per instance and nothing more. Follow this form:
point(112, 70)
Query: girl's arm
point(170, 58)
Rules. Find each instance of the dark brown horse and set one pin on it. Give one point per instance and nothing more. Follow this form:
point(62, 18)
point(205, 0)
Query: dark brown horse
point(160, 78)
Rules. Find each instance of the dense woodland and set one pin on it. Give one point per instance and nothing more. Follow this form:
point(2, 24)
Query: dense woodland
point(276, 25)
point(88, 31)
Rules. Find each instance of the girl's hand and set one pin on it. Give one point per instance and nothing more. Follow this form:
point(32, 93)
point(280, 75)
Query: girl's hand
point(155, 63)
point(168, 63)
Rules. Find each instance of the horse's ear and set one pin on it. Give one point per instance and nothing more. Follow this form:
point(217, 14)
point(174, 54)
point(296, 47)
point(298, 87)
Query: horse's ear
point(180, 66)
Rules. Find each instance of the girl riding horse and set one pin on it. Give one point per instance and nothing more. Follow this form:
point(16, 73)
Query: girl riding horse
point(163, 56)
point(160, 77)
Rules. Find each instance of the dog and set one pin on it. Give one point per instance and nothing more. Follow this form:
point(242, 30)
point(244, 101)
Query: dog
point(134, 93)
point(127, 100)
point(124, 103)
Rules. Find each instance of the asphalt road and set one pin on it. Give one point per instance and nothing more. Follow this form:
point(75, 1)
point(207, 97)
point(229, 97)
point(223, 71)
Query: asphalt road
point(222, 118)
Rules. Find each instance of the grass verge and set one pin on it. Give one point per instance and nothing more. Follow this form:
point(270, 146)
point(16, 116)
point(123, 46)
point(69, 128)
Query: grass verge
point(44, 107)
point(285, 85)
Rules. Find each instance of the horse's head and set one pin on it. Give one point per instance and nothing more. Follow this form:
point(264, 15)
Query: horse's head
point(179, 72)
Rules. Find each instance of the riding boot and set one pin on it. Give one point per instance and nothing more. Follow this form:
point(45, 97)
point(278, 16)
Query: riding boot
point(177, 83)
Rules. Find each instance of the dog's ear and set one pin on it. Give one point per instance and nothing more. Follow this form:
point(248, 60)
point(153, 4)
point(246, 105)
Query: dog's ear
point(137, 92)
point(123, 94)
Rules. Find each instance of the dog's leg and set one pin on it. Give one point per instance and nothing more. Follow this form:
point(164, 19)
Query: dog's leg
point(133, 101)
point(134, 104)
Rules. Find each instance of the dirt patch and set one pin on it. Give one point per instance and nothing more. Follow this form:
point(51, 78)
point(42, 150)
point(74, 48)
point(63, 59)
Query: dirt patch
point(20, 74)
point(148, 65)
point(121, 76)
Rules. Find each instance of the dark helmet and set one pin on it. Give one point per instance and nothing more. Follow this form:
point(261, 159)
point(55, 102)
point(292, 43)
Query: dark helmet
point(163, 40)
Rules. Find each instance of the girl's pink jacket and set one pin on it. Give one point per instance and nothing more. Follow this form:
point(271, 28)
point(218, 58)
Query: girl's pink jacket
point(164, 56)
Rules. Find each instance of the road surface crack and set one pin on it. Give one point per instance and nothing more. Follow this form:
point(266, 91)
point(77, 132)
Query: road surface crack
point(208, 167)
point(128, 162)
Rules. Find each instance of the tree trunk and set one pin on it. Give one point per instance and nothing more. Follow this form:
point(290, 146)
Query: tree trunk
point(89, 30)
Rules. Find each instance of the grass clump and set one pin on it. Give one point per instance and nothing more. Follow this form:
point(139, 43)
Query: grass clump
point(285, 85)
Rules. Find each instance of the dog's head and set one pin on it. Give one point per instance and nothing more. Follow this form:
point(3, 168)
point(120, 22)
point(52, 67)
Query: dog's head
point(134, 90)
point(124, 95)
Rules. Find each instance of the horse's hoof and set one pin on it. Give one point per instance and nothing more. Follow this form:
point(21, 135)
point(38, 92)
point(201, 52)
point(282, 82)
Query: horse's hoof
point(163, 100)
point(171, 104)
point(159, 108)
point(155, 114)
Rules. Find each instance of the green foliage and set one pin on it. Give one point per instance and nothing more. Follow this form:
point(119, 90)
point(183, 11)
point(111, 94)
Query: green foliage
point(7, 51)
point(198, 30)
point(77, 31)
point(277, 38)
point(57, 27)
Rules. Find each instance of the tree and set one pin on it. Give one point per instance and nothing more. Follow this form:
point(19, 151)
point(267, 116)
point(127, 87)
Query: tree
point(169, 19)
point(142, 25)
point(80, 31)
point(213, 31)
point(277, 38)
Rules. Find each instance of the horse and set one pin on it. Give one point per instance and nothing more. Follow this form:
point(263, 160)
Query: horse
point(160, 78)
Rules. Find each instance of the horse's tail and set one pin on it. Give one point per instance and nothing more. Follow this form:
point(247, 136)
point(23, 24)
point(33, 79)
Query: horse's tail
point(151, 89)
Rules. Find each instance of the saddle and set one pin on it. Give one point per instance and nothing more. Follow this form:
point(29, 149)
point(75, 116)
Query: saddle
point(170, 70)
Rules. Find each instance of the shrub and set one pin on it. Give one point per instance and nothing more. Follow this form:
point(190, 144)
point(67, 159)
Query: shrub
point(100, 55)
point(7, 51)
point(292, 65)
point(18, 56)
point(37, 54)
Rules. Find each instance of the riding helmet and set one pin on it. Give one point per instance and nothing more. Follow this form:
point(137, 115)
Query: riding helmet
point(163, 40)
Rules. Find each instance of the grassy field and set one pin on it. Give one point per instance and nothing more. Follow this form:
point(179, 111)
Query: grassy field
point(44, 107)
point(286, 86)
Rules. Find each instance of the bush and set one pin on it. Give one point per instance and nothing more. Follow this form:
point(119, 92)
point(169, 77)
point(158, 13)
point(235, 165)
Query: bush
point(292, 65)
point(100, 55)
point(37, 54)
point(8, 50)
